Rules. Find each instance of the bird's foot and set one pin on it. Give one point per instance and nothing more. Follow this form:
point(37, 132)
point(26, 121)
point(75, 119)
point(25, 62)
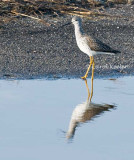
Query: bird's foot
point(84, 77)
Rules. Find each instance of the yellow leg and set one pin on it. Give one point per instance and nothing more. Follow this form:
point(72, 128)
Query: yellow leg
point(92, 79)
point(87, 89)
point(91, 61)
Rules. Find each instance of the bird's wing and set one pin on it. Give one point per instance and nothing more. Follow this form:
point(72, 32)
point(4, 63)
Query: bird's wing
point(97, 45)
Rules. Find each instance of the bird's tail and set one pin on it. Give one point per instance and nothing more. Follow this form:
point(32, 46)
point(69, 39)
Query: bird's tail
point(109, 53)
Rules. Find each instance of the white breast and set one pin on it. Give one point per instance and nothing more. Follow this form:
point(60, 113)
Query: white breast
point(83, 45)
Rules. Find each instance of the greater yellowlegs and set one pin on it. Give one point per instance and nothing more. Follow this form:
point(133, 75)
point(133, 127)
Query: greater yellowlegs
point(89, 45)
point(85, 112)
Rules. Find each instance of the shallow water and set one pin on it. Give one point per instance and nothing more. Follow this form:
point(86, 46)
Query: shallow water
point(35, 117)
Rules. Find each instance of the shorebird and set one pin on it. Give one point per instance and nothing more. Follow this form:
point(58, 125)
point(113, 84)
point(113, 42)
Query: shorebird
point(85, 112)
point(89, 45)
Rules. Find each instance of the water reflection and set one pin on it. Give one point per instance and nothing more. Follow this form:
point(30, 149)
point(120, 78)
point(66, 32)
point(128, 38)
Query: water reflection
point(85, 112)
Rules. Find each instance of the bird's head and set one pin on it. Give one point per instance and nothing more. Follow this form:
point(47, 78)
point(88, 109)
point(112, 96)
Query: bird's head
point(76, 20)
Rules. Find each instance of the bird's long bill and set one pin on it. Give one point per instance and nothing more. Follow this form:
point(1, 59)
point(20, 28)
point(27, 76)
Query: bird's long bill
point(66, 24)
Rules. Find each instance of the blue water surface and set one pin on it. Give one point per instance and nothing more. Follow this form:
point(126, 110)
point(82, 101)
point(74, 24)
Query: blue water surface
point(35, 116)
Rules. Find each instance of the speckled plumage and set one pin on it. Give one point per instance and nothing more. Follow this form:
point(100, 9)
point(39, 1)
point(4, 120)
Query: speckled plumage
point(89, 44)
point(97, 45)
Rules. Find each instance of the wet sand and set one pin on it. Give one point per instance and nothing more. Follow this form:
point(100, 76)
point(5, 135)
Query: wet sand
point(29, 49)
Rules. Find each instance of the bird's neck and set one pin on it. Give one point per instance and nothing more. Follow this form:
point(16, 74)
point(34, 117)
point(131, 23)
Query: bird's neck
point(78, 30)
point(71, 129)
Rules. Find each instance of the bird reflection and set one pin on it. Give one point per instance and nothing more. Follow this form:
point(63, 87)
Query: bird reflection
point(85, 112)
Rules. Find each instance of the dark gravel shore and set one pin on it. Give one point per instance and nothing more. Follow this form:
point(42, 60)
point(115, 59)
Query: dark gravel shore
point(29, 49)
